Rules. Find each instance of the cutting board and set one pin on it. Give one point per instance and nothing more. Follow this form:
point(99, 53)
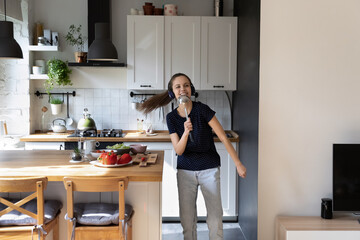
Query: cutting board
point(150, 158)
point(64, 133)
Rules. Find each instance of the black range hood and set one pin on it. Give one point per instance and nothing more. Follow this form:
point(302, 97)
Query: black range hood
point(98, 12)
point(97, 64)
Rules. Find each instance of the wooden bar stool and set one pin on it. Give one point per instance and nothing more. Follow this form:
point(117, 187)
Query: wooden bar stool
point(98, 220)
point(30, 216)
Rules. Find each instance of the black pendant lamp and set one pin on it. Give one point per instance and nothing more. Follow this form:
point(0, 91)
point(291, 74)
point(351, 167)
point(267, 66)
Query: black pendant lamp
point(102, 49)
point(9, 48)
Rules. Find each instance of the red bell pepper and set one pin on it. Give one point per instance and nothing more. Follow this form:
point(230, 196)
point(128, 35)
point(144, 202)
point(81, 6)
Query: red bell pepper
point(111, 158)
point(101, 158)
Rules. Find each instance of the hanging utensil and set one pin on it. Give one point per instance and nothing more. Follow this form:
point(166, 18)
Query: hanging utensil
point(183, 100)
point(68, 119)
point(43, 126)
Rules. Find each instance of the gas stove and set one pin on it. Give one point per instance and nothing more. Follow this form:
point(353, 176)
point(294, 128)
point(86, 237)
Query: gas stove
point(94, 133)
point(111, 133)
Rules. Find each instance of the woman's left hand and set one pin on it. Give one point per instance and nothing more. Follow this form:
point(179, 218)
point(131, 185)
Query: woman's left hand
point(241, 169)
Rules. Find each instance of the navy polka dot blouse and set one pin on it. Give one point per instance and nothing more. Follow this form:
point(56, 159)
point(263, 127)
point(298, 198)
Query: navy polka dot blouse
point(200, 154)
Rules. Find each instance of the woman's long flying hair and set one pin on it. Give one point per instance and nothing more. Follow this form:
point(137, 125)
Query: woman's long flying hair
point(161, 99)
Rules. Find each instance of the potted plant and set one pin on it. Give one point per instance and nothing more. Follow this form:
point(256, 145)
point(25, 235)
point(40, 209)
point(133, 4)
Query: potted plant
point(58, 73)
point(76, 154)
point(55, 104)
point(75, 38)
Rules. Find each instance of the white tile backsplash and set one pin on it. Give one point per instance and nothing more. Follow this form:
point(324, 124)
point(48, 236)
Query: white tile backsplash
point(98, 93)
point(111, 108)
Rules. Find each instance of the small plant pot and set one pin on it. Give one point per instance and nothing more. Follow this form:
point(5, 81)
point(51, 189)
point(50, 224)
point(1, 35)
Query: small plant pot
point(56, 109)
point(80, 57)
point(148, 10)
point(76, 156)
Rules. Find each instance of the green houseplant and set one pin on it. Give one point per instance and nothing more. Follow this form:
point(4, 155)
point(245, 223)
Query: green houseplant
point(56, 101)
point(75, 38)
point(76, 154)
point(58, 73)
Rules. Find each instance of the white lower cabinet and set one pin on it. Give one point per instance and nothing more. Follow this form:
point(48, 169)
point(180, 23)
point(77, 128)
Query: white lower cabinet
point(228, 179)
point(170, 202)
point(44, 146)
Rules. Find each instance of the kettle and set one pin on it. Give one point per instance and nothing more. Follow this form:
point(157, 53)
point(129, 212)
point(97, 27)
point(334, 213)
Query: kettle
point(86, 123)
point(58, 128)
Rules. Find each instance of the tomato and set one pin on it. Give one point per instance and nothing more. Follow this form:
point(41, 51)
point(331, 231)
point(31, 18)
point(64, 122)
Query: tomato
point(98, 151)
point(125, 158)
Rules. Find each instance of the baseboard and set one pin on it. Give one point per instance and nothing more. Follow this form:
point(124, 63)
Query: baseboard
point(200, 219)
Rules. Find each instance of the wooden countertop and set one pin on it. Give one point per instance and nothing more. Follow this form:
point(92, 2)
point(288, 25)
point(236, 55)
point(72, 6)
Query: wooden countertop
point(55, 165)
point(131, 136)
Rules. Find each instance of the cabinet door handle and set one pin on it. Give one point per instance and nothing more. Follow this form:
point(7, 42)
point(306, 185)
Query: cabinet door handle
point(218, 86)
point(145, 85)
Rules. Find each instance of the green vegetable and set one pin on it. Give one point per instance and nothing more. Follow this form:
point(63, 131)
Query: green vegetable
point(118, 146)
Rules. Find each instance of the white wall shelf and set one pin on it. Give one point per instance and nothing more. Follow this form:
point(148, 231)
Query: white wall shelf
point(39, 76)
point(43, 48)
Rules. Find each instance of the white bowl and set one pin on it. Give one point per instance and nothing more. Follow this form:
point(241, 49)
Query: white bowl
point(95, 154)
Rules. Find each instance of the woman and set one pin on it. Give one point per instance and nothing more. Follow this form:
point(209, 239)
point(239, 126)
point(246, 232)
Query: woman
point(198, 162)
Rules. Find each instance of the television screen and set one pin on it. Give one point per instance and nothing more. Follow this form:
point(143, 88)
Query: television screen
point(346, 177)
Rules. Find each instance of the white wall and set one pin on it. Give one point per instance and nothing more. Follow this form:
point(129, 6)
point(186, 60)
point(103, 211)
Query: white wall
point(309, 99)
point(14, 80)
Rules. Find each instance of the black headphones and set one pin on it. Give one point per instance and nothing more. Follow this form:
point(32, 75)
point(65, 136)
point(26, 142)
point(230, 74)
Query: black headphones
point(172, 95)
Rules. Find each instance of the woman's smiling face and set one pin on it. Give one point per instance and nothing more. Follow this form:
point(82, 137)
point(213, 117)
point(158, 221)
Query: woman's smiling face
point(181, 86)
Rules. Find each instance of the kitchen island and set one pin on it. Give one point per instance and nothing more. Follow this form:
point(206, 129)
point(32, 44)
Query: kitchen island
point(144, 191)
point(160, 141)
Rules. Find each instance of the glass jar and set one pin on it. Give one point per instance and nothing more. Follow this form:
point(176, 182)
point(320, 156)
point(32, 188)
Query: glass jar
point(41, 41)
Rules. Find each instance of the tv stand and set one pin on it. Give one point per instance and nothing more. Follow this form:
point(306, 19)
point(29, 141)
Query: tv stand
point(314, 228)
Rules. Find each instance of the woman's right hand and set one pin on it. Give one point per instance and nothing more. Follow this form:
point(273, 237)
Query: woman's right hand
point(188, 126)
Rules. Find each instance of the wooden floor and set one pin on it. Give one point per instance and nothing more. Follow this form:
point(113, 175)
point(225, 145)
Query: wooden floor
point(173, 231)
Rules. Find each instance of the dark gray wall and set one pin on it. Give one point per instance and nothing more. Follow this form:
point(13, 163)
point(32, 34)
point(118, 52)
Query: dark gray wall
point(246, 110)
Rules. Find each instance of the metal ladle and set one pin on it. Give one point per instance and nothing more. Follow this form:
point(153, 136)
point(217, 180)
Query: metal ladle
point(183, 100)
point(69, 120)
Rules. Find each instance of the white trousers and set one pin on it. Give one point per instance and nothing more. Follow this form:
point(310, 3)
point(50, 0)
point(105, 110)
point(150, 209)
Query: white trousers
point(188, 184)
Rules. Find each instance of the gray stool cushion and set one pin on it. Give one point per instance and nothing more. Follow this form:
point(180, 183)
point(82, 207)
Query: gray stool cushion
point(51, 209)
point(100, 213)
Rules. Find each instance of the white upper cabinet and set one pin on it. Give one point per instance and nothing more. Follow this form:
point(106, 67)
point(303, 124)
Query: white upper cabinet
point(204, 48)
point(182, 47)
point(218, 53)
point(145, 52)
